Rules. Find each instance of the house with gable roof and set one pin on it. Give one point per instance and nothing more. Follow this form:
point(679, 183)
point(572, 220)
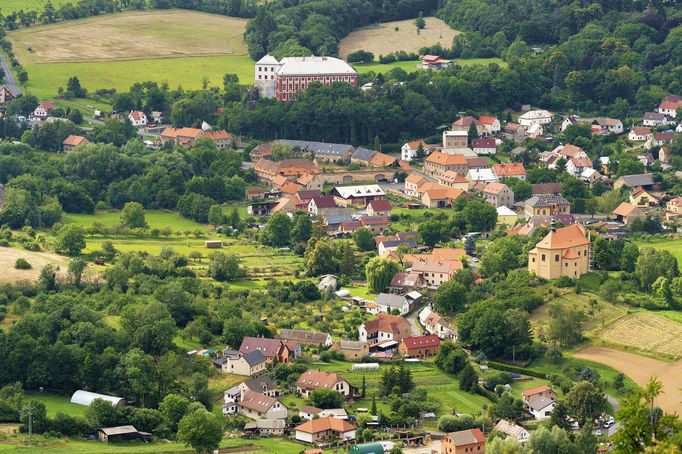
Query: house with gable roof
point(248, 364)
point(325, 429)
point(469, 441)
point(359, 195)
point(419, 346)
point(513, 431)
point(314, 379)
point(138, 118)
point(434, 324)
point(257, 405)
point(498, 194)
point(269, 348)
point(72, 141)
point(384, 327)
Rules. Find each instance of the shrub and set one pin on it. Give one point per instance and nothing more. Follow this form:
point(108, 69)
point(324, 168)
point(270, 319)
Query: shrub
point(360, 56)
point(22, 264)
point(564, 281)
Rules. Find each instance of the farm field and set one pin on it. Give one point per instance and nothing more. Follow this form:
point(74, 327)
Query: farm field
point(388, 37)
point(11, 6)
point(641, 369)
point(645, 331)
point(411, 65)
point(157, 34)
point(176, 47)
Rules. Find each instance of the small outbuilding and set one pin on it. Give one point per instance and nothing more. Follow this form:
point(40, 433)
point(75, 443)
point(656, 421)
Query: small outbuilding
point(369, 448)
point(122, 433)
point(213, 244)
point(86, 398)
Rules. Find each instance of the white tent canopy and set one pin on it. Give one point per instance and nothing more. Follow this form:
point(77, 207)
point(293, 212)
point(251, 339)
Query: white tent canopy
point(81, 397)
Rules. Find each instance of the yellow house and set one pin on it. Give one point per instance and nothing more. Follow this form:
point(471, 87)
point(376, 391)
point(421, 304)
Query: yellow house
point(642, 198)
point(563, 252)
point(506, 216)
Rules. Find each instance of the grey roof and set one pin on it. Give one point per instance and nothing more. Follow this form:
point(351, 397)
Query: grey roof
point(396, 243)
point(540, 403)
point(390, 300)
point(337, 149)
point(644, 179)
point(655, 116)
point(255, 357)
point(363, 154)
point(351, 345)
point(546, 188)
point(260, 384)
point(265, 424)
point(120, 430)
point(544, 200)
point(334, 219)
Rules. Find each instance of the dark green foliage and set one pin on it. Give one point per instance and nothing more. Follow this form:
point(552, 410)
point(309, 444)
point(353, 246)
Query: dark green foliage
point(326, 398)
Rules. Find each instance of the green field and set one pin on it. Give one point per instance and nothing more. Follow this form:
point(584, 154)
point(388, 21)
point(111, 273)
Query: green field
point(672, 245)
point(11, 6)
point(411, 65)
point(77, 446)
point(187, 72)
point(155, 219)
point(54, 403)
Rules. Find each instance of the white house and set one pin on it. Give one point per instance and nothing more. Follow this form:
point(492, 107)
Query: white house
point(513, 430)
point(484, 146)
point(435, 324)
point(323, 429)
point(575, 166)
point(639, 134)
point(490, 124)
point(409, 150)
point(541, 408)
point(535, 131)
point(137, 118)
point(311, 380)
point(654, 119)
point(256, 405)
point(42, 111)
point(388, 302)
point(535, 117)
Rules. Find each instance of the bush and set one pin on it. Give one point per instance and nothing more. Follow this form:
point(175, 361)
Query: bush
point(22, 264)
point(360, 56)
point(450, 423)
point(515, 369)
point(564, 281)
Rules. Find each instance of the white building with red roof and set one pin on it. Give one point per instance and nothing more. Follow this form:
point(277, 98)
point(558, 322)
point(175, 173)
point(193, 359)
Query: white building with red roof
point(138, 118)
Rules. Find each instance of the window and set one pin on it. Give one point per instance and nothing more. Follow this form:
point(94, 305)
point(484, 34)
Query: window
point(543, 257)
point(556, 258)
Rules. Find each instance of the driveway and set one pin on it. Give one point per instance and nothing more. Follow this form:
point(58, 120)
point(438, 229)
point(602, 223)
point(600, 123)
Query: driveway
point(10, 82)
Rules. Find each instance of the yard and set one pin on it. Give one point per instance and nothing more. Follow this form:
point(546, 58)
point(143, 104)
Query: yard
point(58, 403)
point(155, 219)
point(12, 6)
point(8, 256)
point(672, 245)
point(382, 39)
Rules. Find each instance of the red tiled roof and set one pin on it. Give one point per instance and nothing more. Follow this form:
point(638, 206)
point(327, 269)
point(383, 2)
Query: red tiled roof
point(75, 140)
point(326, 201)
point(323, 424)
point(506, 170)
point(534, 391)
point(314, 379)
point(421, 341)
point(484, 143)
point(380, 205)
point(374, 220)
point(446, 159)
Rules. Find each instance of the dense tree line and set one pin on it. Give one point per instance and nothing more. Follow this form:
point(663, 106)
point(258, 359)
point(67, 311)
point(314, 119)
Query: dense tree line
point(318, 25)
point(188, 180)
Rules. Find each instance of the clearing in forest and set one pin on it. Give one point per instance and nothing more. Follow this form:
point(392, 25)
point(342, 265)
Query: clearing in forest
point(383, 38)
point(645, 331)
point(8, 256)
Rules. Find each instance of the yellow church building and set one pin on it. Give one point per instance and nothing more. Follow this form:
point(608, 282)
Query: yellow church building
point(563, 252)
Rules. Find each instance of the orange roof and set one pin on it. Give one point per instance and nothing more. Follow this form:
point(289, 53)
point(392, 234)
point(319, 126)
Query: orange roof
point(290, 187)
point(279, 180)
point(443, 159)
point(506, 170)
point(414, 178)
point(582, 162)
point(534, 391)
point(388, 323)
point(443, 193)
point(322, 424)
point(75, 140)
point(427, 186)
point(404, 165)
point(624, 209)
point(315, 379)
point(568, 150)
point(565, 237)
point(570, 255)
point(306, 179)
point(448, 253)
point(136, 114)
point(495, 188)
point(454, 177)
point(415, 144)
point(182, 132)
point(670, 105)
point(487, 120)
point(221, 134)
point(382, 160)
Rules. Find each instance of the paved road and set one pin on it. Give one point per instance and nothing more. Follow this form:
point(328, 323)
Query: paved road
point(9, 77)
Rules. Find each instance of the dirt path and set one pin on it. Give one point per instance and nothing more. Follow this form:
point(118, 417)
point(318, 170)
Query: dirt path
point(640, 369)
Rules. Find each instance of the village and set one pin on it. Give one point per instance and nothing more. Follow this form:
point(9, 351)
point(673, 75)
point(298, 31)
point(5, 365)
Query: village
point(324, 251)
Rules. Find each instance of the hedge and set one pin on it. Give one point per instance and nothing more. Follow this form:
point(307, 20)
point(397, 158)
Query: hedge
point(519, 370)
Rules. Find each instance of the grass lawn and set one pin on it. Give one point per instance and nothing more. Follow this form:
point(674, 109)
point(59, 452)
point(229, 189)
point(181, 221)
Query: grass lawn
point(672, 245)
point(55, 403)
point(440, 386)
point(11, 6)
point(155, 219)
point(411, 65)
point(362, 292)
point(78, 446)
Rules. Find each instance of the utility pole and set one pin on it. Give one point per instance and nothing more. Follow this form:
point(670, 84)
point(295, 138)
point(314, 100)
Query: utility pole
point(30, 422)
